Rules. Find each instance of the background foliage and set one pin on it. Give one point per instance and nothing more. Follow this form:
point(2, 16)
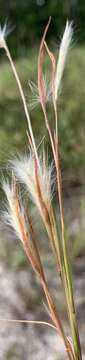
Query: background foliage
point(29, 18)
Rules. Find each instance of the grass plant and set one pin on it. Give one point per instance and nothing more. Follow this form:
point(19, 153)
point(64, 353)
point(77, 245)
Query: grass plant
point(32, 171)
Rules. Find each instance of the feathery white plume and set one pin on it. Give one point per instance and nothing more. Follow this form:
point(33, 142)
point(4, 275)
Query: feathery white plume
point(24, 169)
point(9, 214)
point(64, 47)
point(35, 98)
point(4, 32)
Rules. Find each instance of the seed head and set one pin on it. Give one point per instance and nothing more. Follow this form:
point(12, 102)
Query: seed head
point(25, 170)
point(10, 213)
point(4, 32)
point(35, 98)
point(64, 47)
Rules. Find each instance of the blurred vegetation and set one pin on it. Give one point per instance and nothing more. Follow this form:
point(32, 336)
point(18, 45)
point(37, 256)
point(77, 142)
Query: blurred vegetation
point(71, 113)
point(30, 17)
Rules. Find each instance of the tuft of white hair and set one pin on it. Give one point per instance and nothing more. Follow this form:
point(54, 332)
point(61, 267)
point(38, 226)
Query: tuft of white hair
point(35, 98)
point(4, 32)
point(64, 47)
point(9, 213)
point(24, 169)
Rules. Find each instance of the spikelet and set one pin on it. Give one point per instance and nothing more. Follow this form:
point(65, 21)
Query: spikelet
point(26, 170)
point(64, 47)
point(35, 98)
point(10, 213)
point(4, 32)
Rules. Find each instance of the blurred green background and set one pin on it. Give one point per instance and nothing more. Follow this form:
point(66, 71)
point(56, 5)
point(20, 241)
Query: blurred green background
point(29, 19)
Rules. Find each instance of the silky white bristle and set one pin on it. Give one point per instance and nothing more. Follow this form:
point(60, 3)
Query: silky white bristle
point(24, 169)
point(9, 213)
point(4, 32)
point(64, 47)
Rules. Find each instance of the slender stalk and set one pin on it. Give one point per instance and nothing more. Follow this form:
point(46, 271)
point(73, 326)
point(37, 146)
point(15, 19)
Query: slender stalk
point(24, 321)
point(56, 244)
point(66, 267)
point(57, 322)
point(36, 322)
point(23, 99)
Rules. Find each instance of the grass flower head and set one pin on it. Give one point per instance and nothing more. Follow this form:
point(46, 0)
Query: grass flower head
point(63, 51)
point(28, 173)
point(35, 98)
point(4, 32)
point(10, 213)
